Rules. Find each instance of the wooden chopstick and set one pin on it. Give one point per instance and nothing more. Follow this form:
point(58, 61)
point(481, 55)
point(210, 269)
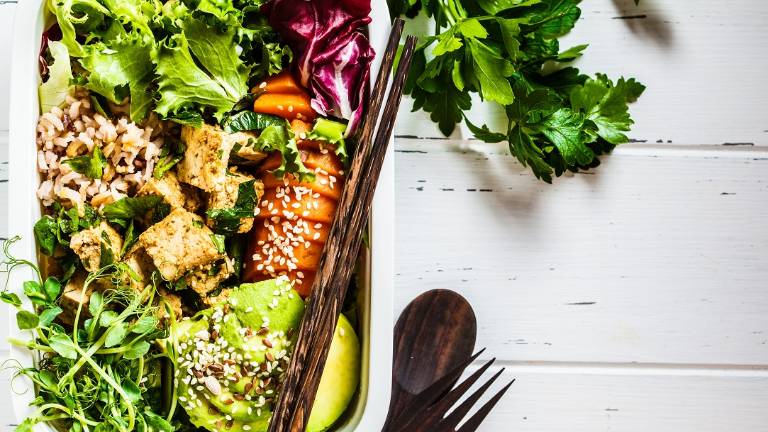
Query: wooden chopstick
point(299, 388)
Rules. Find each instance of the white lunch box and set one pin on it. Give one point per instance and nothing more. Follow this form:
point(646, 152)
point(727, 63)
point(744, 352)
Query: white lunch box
point(369, 409)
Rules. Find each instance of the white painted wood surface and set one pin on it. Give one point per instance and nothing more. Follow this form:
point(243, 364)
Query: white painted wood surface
point(634, 297)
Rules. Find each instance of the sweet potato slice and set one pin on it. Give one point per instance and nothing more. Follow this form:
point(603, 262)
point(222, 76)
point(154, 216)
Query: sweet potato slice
point(327, 161)
point(327, 185)
point(307, 254)
point(300, 231)
point(300, 126)
point(318, 209)
point(288, 106)
point(280, 83)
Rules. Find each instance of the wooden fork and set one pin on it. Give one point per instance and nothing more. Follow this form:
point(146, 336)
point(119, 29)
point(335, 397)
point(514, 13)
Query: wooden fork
point(433, 418)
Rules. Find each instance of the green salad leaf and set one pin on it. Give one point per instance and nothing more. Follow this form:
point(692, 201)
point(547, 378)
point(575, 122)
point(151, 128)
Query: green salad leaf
point(248, 120)
point(226, 221)
point(183, 83)
point(131, 207)
point(126, 62)
point(90, 165)
point(331, 132)
point(54, 91)
point(188, 61)
point(56, 229)
point(171, 154)
point(508, 53)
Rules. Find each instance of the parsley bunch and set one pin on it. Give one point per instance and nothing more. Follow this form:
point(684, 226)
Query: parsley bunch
point(507, 52)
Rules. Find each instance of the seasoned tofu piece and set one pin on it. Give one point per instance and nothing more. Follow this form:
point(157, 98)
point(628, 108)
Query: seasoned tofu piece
point(173, 192)
point(219, 299)
point(72, 295)
point(179, 243)
point(87, 245)
point(207, 278)
point(206, 157)
point(227, 197)
point(243, 150)
point(172, 300)
point(142, 267)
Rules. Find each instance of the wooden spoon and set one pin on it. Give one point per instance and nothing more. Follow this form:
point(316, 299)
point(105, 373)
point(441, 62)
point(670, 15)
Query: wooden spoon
point(434, 335)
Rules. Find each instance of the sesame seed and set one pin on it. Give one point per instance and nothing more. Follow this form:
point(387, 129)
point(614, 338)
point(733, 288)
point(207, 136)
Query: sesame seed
point(263, 84)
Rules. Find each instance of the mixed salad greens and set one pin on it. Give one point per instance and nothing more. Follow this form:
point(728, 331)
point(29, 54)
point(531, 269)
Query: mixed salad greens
point(508, 53)
point(192, 154)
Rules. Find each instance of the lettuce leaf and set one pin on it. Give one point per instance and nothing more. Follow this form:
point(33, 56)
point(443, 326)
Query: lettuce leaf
point(183, 85)
point(128, 61)
point(217, 53)
point(54, 91)
point(75, 17)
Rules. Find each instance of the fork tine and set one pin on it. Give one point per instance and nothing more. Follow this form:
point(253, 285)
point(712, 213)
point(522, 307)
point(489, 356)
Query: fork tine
point(440, 386)
point(474, 422)
point(434, 413)
point(429, 395)
point(455, 417)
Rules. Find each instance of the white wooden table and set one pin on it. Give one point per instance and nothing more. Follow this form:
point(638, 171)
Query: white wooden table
point(630, 298)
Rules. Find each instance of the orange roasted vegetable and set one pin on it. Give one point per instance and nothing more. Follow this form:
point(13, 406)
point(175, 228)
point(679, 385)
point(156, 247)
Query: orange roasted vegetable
point(294, 219)
point(280, 83)
point(285, 105)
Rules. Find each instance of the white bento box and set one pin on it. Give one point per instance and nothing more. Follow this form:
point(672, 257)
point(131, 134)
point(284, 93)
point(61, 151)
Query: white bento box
point(369, 408)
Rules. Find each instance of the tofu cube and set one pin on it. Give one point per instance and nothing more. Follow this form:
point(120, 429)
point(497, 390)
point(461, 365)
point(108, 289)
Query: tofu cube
point(227, 197)
point(208, 278)
point(206, 157)
point(243, 150)
point(179, 243)
point(172, 192)
point(87, 245)
point(72, 295)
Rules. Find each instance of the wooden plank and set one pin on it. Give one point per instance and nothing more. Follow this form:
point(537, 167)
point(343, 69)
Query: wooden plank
point(705, 81)
point(659, 258)
point(596, 399)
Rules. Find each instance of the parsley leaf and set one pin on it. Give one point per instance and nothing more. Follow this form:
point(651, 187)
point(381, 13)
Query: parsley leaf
point(226, 221)
point(508, 52)
point(90, 165)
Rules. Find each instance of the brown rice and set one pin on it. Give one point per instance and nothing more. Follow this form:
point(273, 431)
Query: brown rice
point(73, 130)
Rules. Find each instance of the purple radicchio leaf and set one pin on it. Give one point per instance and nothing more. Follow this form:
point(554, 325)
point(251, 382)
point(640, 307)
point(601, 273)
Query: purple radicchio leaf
point(334, 54)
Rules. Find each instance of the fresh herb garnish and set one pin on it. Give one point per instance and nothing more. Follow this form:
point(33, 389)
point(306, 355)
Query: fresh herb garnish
point(508, 52)
point(102, 372)
point(226, 221)
point(251, 121)
point(172, 153)
point(90, 165)
point(57, 229)
point(122, 211)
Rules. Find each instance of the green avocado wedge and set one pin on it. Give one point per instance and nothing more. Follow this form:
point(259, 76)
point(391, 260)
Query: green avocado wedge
point(232, 357)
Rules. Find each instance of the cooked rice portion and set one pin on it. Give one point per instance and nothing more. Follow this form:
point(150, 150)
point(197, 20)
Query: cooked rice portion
point(74, 130)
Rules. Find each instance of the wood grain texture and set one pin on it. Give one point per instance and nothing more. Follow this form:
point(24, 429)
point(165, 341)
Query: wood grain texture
point(658, 258)
point(598, 400)
point(703, 63)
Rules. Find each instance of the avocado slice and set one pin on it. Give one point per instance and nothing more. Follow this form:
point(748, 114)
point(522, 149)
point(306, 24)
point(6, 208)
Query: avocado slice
point(232, 357)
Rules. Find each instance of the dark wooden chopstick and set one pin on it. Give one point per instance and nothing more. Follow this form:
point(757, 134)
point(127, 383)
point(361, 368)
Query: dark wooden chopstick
point(324, 305)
